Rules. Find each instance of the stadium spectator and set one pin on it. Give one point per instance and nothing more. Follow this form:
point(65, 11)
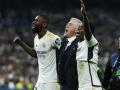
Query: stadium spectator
point(111, 80)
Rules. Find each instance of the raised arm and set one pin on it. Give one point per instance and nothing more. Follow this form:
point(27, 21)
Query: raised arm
point(28, 49)
point(88, 33)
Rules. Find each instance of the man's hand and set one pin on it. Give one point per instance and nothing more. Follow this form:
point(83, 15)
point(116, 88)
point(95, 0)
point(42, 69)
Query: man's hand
point(87, 30)
point(82, 7)
point(28, 49)
point(17, 40)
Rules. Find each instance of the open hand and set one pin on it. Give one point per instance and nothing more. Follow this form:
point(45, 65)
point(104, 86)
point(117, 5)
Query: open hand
point(82, 7)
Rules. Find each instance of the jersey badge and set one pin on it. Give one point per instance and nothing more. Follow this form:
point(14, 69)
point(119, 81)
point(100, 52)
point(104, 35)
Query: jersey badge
point(58, 41)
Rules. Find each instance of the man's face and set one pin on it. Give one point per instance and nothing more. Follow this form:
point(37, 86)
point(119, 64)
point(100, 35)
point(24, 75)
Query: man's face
point(70, 29)
point(37, 24)
point(81, 32)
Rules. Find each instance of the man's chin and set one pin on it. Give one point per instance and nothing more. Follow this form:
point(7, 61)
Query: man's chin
point(64, 34)
point(34, 30)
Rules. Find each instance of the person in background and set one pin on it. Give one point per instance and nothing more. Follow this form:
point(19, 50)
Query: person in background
point(111, 80)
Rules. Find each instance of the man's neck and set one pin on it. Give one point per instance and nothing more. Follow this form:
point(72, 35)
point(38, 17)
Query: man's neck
point(42, 33)
point(70, 36)
point(81, 39)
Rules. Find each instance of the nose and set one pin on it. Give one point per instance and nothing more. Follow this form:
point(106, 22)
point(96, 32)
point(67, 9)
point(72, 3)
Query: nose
point(33, 22)
point(67, 25)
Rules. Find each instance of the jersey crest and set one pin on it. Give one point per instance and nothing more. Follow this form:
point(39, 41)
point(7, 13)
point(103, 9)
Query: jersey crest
point(58, 41)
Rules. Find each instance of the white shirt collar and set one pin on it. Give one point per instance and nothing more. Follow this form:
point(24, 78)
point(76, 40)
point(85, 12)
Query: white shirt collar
point(71, 39)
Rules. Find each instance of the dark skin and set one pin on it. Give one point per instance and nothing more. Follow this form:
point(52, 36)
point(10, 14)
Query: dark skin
point(84, 29)
point(40, 27)
point(80, 33)
point(86, 26)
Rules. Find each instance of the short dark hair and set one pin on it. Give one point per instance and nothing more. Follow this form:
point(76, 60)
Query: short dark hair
point(92, 27)
point(45, 17)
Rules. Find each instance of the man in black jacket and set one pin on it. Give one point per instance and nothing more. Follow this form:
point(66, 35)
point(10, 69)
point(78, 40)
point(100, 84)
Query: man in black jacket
point(67, 67)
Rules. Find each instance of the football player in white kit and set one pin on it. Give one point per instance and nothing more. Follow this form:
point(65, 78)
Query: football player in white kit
point(87, 56)
point(45, 45)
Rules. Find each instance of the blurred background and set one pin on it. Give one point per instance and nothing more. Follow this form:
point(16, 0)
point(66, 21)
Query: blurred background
point(18, 70)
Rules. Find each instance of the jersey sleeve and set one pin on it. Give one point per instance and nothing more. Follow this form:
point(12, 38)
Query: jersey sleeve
point(92, 42)
point(57, 42)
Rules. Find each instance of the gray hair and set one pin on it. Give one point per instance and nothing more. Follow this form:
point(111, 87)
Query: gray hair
point(76, 22)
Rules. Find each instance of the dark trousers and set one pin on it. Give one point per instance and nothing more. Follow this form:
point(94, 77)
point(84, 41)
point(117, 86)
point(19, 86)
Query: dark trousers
point(64, 87)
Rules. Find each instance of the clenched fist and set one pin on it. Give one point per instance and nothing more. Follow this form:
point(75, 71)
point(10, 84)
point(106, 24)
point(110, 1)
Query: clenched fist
point(17, 40)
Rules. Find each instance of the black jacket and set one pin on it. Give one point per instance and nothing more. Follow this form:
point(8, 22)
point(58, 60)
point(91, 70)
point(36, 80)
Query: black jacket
point(67, 65)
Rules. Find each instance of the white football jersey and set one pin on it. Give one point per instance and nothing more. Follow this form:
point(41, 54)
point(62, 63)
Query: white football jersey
point(87, 72)
point(45, 48)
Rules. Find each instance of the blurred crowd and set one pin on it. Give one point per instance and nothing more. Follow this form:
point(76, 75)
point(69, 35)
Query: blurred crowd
point(18, 70)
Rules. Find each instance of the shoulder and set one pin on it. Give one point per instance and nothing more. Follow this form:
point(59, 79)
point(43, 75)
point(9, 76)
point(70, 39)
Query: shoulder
point(93, 38)
point(51, 35)
point(114, 55)
point(93, 42)
point(35, 37)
